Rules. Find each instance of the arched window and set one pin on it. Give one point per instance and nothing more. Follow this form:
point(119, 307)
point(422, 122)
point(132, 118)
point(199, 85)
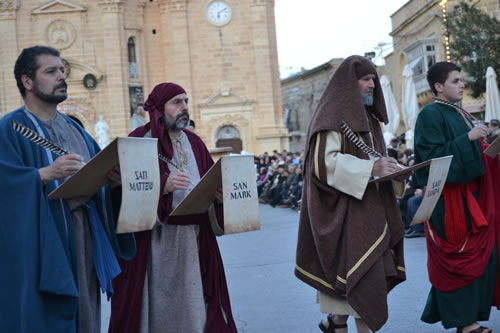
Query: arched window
point(131, 50)
point(133, 67)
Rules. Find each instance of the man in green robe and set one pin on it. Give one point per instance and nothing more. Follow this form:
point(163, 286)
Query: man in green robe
point(462, 255)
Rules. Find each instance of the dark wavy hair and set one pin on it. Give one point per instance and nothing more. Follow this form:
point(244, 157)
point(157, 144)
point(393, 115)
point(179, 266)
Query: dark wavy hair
point(438, 73)
point(27, 63)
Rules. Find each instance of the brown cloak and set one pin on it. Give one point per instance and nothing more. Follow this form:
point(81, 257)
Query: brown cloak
point(347, 247)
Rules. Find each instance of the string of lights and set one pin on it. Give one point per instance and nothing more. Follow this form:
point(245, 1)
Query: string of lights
point(446, 33)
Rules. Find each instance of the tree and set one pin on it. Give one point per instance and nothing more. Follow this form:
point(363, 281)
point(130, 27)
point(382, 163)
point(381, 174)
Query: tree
point(475, 44)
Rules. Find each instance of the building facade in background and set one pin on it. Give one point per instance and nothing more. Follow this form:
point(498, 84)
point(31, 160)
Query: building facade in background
point(301, 93)
point(223, 52)
point(419, 41)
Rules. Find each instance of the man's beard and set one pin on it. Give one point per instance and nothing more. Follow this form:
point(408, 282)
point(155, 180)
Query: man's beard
point(177, 124)
point(367, 97)
point(51, 98)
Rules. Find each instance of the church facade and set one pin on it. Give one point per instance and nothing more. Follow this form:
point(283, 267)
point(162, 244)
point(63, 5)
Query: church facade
point(223, 52)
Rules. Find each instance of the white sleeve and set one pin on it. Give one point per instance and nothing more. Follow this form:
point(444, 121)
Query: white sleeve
point(346, 173)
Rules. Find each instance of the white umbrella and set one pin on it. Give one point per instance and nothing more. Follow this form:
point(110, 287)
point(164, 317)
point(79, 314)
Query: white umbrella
point(492, 96)
point(392, 110)
point(410, 105)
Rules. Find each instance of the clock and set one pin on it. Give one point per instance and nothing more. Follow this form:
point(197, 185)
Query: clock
point(219, 13)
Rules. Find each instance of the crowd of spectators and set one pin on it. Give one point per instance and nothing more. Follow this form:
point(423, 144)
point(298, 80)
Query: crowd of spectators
point(412, 196)
point(279, 179)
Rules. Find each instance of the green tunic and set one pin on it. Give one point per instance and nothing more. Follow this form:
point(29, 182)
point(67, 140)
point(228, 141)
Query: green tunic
point(440, 131)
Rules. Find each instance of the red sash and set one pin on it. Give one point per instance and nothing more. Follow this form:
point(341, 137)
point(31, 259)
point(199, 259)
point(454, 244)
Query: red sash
point(454, 218)
point(461, 260)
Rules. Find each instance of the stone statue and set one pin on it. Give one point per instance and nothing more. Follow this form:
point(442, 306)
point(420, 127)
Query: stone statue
point(102, 132)
point(138, 118)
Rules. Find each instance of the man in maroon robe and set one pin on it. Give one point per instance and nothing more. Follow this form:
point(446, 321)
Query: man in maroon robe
point(176, 282)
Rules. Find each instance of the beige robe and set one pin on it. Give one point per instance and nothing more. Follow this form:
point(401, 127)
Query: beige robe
point(173, 298)
point(68, 138)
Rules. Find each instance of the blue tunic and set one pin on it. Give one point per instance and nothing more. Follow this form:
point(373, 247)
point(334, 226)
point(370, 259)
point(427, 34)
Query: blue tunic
point(39, 278)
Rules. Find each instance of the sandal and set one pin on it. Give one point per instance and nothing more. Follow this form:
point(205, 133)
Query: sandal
point(480, 329)
point(331, 325)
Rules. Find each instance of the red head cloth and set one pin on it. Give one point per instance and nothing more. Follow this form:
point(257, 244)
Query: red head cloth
point(155, 104)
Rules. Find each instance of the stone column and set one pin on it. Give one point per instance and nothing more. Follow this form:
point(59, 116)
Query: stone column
point(10, 99)
point(142, 48)
point(175, 30)
point(271, 133)
point(116, 67)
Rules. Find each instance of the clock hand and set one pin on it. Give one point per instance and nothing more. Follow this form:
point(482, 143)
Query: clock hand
point(220, 11)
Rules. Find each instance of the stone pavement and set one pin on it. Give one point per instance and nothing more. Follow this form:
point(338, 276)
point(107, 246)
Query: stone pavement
point(267, 298)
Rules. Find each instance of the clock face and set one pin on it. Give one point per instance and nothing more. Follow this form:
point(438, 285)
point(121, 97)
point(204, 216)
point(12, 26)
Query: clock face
point(219, 13)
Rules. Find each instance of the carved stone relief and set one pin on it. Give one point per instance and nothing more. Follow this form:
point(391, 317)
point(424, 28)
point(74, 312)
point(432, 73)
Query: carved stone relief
point(227, 132)
point(9, 4)
point(60, 34)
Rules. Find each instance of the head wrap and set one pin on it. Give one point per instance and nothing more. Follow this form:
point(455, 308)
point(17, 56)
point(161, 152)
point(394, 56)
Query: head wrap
point(160, 95)
point(155, 105)
point(342, 100)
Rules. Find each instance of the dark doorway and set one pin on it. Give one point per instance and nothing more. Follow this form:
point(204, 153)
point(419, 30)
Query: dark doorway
point(234, 143)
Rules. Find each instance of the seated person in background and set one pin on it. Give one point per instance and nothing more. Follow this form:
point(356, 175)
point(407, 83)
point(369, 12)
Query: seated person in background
point(269, 184)
point(261, 180)
point(413, 204)
point(278, 188)
point(295, 191)
point(494, 130)
point(409, 192)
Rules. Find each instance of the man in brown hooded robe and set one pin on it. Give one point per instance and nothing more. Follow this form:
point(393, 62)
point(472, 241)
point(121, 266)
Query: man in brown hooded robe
point(350, 242)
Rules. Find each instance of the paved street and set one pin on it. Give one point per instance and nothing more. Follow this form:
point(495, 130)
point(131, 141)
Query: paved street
point(267, 297)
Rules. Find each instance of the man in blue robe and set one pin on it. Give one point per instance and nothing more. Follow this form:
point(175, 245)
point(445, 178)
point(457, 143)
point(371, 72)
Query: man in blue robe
point(55, 254)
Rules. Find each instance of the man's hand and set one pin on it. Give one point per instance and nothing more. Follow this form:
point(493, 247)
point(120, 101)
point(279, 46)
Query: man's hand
point(480, 131)
point(114, 176)
point(385, 166)
point(177, 181)
point(218, 195)
point(62, 167)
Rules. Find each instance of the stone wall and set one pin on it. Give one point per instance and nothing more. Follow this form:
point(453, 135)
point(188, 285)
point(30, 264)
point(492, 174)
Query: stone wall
point(230, 71)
